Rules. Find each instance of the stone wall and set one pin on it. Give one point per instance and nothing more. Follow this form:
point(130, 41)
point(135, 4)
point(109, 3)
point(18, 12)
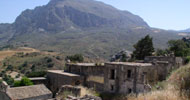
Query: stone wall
point(75, 91)
point(93, 74)
point(4, 96)
point(58, 78)
point(42, 97)
point(173, 61)
point(37, 81)
point(164, 65)
point(86, 69)
point(126, 78)
point(96, 86)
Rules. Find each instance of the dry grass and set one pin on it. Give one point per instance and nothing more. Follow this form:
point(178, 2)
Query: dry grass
point(8, 53)
point(166, 94)
point(96, 79)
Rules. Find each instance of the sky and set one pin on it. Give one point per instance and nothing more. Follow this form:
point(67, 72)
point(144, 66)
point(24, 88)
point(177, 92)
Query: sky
point(164, 14)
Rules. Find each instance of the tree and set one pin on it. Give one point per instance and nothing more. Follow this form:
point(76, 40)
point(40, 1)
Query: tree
point(24, 82)
point(75, 58)
point(179, 47)
point(8, 79)
point(9, 68)
point(161, 52)
point(143, 48)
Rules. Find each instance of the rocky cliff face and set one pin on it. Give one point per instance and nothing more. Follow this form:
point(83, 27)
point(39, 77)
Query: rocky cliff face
point(60, 15)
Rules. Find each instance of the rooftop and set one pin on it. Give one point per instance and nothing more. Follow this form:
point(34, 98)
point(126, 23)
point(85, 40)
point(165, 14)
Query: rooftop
point(130, 63)
point(33, 79)
point(82, 64)
point(63, 73)
point(24, 92)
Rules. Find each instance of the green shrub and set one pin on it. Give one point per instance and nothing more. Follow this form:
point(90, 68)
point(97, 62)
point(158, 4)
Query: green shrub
point(9, 68)
point(37, 74)
point(17, 76)
point(25, 64)
point(187, 59)
point(58, 58)
point(2, 74)
point(33, 68)
point(75, 58)
point(24, 82)
point(48, 59)
point(16, 83)
point(8, 79)
point(1, 81)
point(50, 65)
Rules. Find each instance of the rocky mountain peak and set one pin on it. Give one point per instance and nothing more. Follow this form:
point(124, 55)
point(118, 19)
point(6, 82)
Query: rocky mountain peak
point(60, 15)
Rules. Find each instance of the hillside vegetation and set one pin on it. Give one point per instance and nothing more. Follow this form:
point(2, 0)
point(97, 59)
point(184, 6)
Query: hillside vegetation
point(7, 53)
point(23, 61)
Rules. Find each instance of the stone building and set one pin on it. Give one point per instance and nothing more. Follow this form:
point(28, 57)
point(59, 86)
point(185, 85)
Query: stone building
point(57, 78)
point(115, 77)
point(93, 74)
point(35, 92)
point(126, 77)
point(174, 62)
point(164, 65)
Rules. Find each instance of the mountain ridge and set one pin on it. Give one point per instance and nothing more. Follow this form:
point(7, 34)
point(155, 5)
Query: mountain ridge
point(80, 26)
point(186, 30)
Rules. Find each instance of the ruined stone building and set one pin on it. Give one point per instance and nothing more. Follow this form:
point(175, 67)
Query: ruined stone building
point(35, 92)
point(126, 77)
point(164, 65)
point(58, 78)
point(174, 62)
point(90, 75)
point(93, 74)
point(115, 77)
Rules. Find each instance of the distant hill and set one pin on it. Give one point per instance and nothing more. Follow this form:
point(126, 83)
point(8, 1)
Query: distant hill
point(186, 30)
point(89, 27)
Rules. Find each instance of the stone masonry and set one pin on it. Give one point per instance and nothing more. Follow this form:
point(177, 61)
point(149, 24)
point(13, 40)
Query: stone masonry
point(125, 77)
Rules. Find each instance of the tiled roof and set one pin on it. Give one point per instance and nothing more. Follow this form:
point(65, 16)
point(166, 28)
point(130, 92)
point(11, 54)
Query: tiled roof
point(24, 92)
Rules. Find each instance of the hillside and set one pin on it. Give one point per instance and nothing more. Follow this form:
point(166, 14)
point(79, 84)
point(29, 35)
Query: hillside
point(22, 61)
point(89, 27)
point(186, 30)
point(8, 53)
